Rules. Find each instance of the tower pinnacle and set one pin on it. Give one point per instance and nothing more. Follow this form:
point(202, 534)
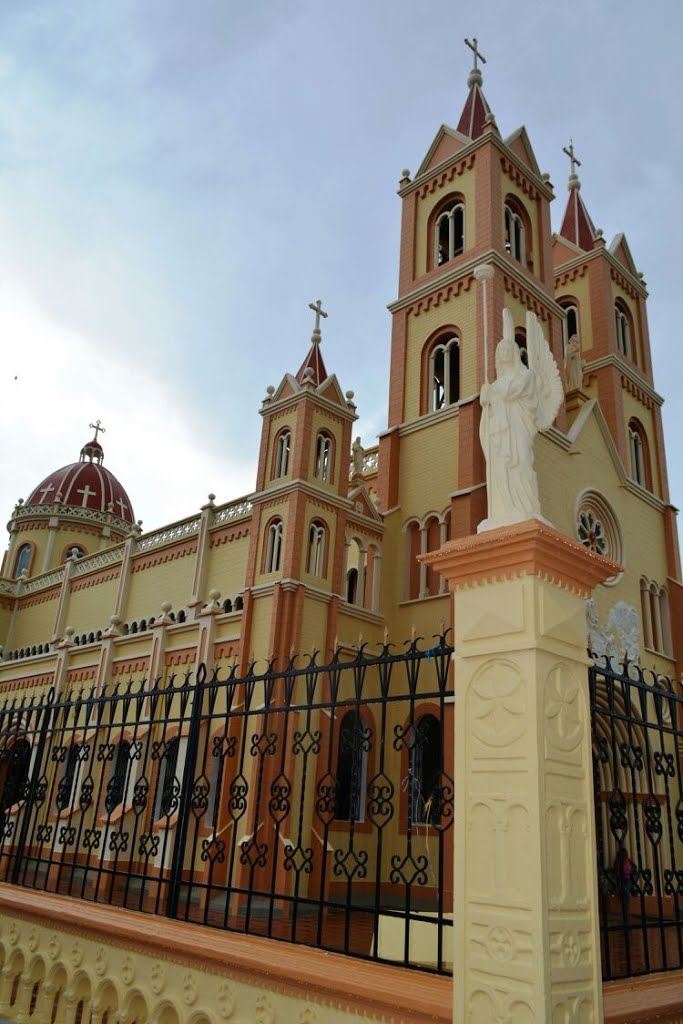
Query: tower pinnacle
point(476, 108)
point(312, 370)
point(577, 225)
point(574, 163)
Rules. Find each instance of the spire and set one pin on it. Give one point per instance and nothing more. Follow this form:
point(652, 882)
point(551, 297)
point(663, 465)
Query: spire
point(577, 227)
point(476, 108)
point(312, 370)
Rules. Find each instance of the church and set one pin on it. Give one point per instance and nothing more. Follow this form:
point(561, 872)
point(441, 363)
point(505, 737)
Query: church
point(324, 558)
point(326, 546)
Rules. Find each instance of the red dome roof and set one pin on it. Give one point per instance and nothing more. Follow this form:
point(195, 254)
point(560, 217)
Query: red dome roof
point(85, 484)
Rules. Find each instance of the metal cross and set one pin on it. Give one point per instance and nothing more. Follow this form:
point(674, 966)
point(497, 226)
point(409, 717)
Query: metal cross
point(570, 153)
point(97, 428)
point(473, 47)
point(317, 308)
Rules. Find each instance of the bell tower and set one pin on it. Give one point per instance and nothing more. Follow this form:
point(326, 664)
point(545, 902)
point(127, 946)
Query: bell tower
point(476, 197)
point(295, 564)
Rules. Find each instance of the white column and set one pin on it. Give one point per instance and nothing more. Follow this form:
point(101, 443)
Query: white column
point(360, 586)
point(424, 548)
point(376, 580)
point(201, 560)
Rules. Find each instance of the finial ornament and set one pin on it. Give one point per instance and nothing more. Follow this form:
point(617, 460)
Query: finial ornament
point(317, 308)
point(97, 427)
point(574, 163)
point(477, 55)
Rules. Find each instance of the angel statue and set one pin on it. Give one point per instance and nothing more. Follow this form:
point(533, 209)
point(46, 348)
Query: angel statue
point(520, 402)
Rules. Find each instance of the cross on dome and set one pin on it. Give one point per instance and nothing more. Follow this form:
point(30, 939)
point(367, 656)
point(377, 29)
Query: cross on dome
point(317, 308)
point(97, 427)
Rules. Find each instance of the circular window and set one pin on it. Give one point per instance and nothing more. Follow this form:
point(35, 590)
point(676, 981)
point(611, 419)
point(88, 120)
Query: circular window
point(598, 530)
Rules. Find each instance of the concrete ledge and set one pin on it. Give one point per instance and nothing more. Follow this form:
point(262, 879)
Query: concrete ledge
point(367, 988)
point(653, 997)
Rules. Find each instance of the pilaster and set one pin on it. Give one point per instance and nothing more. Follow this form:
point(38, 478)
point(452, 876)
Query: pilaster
point(526, 912)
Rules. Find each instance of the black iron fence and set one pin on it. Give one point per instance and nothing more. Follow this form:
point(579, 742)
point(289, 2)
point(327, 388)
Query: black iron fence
point(637, 750)
point(310, 803)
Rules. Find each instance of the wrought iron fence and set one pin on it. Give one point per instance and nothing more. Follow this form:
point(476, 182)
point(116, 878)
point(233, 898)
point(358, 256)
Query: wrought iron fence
point(310, 803)
point(637, 750)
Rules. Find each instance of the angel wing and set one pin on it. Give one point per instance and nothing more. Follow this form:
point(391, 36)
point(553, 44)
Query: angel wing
point(548, 382)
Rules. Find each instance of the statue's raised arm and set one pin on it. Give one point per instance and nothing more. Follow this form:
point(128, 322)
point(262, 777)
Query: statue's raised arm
point(521, 401)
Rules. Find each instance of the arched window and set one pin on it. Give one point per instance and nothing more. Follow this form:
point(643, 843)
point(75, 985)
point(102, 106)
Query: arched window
point(323, 456)
point(15, 785)
point(520, 339)
point(640, 463)
point(623, 324)
point(444, 372)
point(66, 783)
point(515, 230)
point(116, 787)
point(274, 546)
point(570, 327)
point(449, 232)
point(282, 449)
point(168, 786)
point(424, 793)
point(656, 617)
point(351, 585)
point(352, 767)
point(23, 560)
point(315, 562)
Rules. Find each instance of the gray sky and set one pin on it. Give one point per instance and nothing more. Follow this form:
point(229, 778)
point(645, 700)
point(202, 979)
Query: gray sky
point(178, 181)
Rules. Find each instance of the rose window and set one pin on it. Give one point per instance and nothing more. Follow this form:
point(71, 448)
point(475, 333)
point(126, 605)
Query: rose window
point(591, 533)
point(598, 530)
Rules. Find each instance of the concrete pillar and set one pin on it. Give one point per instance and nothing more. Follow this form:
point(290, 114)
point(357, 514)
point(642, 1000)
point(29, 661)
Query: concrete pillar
point(526, 942)
point(202, 556)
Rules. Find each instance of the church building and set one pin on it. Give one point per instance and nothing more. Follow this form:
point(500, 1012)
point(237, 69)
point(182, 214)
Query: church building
point(325, 549)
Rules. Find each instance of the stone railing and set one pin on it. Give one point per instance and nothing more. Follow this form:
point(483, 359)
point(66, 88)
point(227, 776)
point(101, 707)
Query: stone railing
point(56, 509)
point(168, 534)
point(99, 560)
point(371, 461)
point(235, 510)
point(8, 587)
point(45, 580)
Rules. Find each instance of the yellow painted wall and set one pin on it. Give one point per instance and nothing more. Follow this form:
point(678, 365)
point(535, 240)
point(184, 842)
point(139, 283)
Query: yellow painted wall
point(34, 625)
point(166, 581)
point(429, 465)
point(90, 608)
point(227, 566)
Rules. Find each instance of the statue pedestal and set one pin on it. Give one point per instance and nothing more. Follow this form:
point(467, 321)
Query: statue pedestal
point(526, 943)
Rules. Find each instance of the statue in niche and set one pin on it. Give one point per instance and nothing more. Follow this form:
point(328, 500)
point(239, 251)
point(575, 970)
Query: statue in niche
point(515, 406)
point(573, 366)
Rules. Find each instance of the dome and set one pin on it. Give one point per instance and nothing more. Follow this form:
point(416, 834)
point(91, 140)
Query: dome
point(86, 485)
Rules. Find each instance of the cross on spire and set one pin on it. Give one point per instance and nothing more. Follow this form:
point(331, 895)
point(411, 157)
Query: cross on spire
point(97, 427)
point(575, 162)
point(473, 47)
point(317, 308)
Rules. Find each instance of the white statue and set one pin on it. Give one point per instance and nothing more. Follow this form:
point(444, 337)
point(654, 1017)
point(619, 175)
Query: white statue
point(520, 402)
point(357, 457)
point(573, 367)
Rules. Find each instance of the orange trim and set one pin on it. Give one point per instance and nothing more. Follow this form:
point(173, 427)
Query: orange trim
point(368, 989)
point(524, 549)
point(654, 997)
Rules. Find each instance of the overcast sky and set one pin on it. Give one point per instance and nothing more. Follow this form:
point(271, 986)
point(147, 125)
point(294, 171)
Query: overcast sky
point(179, 180)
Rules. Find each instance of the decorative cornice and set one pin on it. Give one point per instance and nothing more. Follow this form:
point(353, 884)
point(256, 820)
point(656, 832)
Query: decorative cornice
point(627, 371)
point(525, 549)
point(586, 257)
point(457, 275)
